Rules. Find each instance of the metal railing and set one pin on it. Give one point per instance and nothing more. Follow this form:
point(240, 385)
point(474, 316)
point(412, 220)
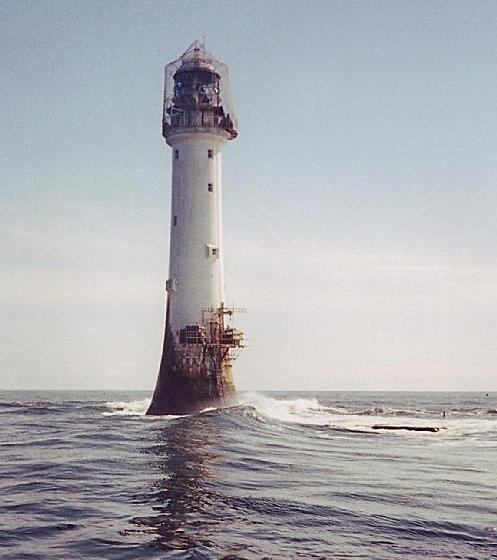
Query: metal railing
point(197, 119)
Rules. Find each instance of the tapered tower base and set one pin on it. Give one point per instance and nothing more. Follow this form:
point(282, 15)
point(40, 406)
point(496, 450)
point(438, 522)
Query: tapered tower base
point(185, 386)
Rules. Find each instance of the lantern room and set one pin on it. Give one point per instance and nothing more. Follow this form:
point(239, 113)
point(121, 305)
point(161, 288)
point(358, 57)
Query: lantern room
point(197, 96)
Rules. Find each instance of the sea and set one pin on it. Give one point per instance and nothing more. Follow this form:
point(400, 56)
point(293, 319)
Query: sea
point(282, 475)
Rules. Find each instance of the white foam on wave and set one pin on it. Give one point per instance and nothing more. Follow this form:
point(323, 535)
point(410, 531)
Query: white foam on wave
point(127, 408)
point(310, 411)
point(305, 411)
point(137, 408)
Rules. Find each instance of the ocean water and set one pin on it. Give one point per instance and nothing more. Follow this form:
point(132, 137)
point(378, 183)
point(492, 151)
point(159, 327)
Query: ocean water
point(283, 475)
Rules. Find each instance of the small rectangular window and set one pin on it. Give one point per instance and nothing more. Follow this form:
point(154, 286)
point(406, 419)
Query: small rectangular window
point(176, 154)
point(211, 187)
point(212, 250)
point(210, 153)
point(175, 221)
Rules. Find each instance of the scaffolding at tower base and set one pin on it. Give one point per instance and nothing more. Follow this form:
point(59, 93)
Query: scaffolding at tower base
point(206, 348)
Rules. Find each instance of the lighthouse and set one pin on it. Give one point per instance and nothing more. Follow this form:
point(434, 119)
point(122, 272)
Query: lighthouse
point(199, 342)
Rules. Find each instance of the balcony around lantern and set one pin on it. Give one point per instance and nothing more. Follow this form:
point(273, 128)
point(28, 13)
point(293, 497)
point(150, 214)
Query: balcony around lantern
point(176, 120)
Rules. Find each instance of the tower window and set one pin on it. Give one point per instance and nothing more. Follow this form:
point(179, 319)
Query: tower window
point(210, 187)
point(176, 154)
point(212, 250)
point(175, 221)
point(210, 154)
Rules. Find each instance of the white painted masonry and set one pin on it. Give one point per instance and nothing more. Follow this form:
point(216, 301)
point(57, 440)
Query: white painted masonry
point(196, 246)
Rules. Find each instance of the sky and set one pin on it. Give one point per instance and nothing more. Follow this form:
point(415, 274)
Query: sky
point(360, 201)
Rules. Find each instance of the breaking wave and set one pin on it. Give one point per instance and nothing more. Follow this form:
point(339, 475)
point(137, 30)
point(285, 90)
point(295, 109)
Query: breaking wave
point(336, 417)
point(279, 476)
point(127, 408)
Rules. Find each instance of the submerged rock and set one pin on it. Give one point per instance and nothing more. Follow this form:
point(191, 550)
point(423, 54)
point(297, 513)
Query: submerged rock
point(410, 428)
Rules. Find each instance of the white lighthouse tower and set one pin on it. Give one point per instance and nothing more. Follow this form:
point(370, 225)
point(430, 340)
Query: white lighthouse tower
point(199, 345)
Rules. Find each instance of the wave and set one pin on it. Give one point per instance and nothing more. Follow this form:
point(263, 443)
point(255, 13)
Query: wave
point(135, 408)
point(310, 412)
point(127, 408)
point(302, 411)
point(307, 412)
point(11, 404)
point(36, 407)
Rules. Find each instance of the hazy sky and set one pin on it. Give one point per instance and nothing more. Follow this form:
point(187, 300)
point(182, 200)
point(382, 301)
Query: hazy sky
point(360, 197)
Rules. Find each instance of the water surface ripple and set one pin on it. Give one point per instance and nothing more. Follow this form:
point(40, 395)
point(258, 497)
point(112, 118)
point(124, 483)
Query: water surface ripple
point(283, 475)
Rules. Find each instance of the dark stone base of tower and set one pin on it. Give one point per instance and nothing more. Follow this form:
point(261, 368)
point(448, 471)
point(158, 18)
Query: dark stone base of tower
point(192, 377)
